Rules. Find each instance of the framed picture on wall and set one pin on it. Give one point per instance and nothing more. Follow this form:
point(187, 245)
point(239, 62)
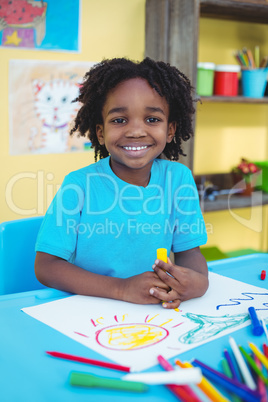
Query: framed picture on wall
point(42, 107)
point(44, 25)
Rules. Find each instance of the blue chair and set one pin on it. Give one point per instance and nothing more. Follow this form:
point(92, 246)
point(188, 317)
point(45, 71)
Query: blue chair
point(17, 255)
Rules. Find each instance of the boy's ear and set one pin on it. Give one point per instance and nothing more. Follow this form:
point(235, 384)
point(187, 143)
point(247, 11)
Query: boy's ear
point(99, 132)
point(171, 131)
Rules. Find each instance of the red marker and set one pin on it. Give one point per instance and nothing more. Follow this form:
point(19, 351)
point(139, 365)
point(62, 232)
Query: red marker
point(263, 274)
point(184, 392)
point(89, 361)
point(265, 350)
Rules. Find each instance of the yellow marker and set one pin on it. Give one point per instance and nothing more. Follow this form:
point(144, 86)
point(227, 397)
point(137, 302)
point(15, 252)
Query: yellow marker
point(162, 254)
point(205, 385)
point(259, 354)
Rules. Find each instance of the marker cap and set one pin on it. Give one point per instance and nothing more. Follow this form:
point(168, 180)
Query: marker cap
point(263, 274)
point(162, 254)
point(257, 327)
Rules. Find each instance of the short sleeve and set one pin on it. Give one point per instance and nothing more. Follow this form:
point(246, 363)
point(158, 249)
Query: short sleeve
point(189, 229)
point(58, 232)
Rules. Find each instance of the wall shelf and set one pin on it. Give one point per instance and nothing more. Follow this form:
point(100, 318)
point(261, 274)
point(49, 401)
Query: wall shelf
point(225, 182)
point(234, 99)
point(172, 34)
point(238, 10)
point(222, 203)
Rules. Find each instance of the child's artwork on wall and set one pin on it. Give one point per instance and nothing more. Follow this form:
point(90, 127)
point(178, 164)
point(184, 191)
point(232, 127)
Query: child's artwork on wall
point(44, 25)
point(41, 110)
point(134, 335)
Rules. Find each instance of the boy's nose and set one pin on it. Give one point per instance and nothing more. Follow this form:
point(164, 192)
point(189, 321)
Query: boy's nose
point(136, 130)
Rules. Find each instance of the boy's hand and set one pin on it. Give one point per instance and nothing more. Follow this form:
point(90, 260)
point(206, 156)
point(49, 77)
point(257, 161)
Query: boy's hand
point(136, 289)
point(184, 283)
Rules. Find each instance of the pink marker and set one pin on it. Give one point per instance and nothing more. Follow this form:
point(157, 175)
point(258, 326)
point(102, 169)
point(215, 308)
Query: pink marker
point(85, 360)
point(184, 392)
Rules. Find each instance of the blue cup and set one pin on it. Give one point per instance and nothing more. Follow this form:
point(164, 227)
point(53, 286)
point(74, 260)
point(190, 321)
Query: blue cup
point(254, 82)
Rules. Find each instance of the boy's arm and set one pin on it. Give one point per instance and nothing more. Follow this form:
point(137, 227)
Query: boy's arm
point(57, 273)
point(187, 278)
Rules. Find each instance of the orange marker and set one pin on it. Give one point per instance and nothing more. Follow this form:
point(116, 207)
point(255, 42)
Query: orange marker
point(209, 390)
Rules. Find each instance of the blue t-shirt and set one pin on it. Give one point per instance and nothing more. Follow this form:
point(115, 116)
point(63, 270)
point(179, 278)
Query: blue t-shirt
point(107, 226)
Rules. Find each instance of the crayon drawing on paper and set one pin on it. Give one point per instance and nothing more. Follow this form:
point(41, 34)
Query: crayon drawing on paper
point(134, 335)
point(41, 107)
point(40, 25)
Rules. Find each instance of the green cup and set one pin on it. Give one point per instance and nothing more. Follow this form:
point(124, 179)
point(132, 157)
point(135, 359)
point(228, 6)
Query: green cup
point(205, 79)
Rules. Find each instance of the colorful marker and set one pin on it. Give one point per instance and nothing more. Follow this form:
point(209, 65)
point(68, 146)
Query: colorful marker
point(259, 354)
point(227, 371)
point(183, 392)
point(264, 328)
point(246, 374)
point(260, 383)
point(206, 387)
point(257, 327)
point(231, 365)
point(265, 350)
point(88, 380)
point(234, 386)
point(179, 377)
point(253, 364)
point(161, 254)
point(89, 361)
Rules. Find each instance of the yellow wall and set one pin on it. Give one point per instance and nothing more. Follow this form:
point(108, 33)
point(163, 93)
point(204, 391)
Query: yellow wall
point(224, 132)
point(108, 29)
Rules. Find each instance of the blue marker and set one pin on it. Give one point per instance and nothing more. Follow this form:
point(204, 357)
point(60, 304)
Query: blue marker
point(257, 327)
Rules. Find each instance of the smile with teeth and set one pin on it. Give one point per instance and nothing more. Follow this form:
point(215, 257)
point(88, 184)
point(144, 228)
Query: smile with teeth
point(135, 148)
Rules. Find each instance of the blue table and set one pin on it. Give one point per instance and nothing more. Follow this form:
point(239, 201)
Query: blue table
point(27, 374)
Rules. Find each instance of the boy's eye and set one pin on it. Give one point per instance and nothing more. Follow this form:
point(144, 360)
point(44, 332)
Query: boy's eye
point(119, 120)
point(152, 119)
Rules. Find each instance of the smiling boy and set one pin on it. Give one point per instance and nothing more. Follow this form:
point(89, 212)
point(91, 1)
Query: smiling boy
point(136, 201)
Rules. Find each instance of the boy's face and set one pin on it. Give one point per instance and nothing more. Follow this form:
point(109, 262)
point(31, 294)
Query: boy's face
point(135, 129)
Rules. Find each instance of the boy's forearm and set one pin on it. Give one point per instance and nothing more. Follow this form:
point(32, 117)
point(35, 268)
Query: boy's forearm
point(192, 259)
point(60, 274)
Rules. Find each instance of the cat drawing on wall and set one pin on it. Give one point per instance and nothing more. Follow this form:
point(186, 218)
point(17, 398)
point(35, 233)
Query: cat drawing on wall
point(54, 108)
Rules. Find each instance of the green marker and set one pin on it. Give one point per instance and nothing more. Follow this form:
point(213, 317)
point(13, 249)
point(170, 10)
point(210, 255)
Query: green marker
point(254, 366)
point(89, 380)
point(227, 371)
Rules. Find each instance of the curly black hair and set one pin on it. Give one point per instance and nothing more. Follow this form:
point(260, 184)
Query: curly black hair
point(167, 80)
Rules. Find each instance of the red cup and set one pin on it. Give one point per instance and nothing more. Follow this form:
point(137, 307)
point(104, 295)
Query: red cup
point(226, 80)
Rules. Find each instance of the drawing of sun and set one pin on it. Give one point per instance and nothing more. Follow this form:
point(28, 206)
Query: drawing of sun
point(130, 336)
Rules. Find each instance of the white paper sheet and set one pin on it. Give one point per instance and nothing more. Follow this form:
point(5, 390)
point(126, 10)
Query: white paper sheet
point(134, 335)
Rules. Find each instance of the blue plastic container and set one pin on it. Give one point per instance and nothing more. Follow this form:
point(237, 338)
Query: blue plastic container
point(254, 82)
